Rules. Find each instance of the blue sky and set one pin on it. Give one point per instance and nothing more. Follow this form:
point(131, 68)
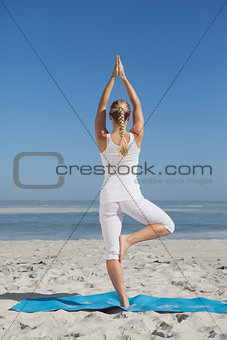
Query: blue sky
point(78, 41)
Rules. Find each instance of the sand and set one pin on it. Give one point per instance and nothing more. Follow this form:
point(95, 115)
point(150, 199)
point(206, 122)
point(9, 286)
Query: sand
point(169, 268)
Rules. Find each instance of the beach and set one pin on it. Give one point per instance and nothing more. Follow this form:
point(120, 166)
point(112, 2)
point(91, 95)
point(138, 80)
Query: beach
point(161, 267)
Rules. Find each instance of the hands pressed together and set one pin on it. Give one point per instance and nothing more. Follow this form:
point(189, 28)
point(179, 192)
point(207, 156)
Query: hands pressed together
point(118, 68)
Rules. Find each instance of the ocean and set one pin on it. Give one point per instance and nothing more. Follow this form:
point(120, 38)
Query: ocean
point(61, 220)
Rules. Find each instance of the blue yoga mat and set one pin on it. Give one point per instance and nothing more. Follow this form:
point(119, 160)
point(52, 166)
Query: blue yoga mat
point(138, 303)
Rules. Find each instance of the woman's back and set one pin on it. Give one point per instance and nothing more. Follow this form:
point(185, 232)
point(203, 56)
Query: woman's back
point(120, 181)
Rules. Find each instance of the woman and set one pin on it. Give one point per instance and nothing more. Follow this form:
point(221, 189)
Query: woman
point(120, 193)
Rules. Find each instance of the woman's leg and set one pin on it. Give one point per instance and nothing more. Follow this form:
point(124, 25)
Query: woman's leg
point(146, 212)
point(149, 232)
point(115, 272)
point(111, 217)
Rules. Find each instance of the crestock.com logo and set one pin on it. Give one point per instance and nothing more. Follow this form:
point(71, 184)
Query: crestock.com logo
point(62, 170)
point(16, 176)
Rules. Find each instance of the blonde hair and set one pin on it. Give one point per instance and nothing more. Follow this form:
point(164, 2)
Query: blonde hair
point(120, 111)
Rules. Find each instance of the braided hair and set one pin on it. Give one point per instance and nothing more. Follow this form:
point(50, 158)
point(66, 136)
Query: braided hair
point(120, 110)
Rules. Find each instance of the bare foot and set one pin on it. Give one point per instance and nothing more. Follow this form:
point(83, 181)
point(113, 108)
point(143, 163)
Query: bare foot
point(127, 305)
point(124, 301)
point(124, 245)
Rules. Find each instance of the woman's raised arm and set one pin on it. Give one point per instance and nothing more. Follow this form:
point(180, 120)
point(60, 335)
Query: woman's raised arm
point(100, 119)
point(138, 120)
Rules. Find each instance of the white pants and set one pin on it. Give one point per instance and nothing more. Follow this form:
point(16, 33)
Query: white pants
point(111, 215)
